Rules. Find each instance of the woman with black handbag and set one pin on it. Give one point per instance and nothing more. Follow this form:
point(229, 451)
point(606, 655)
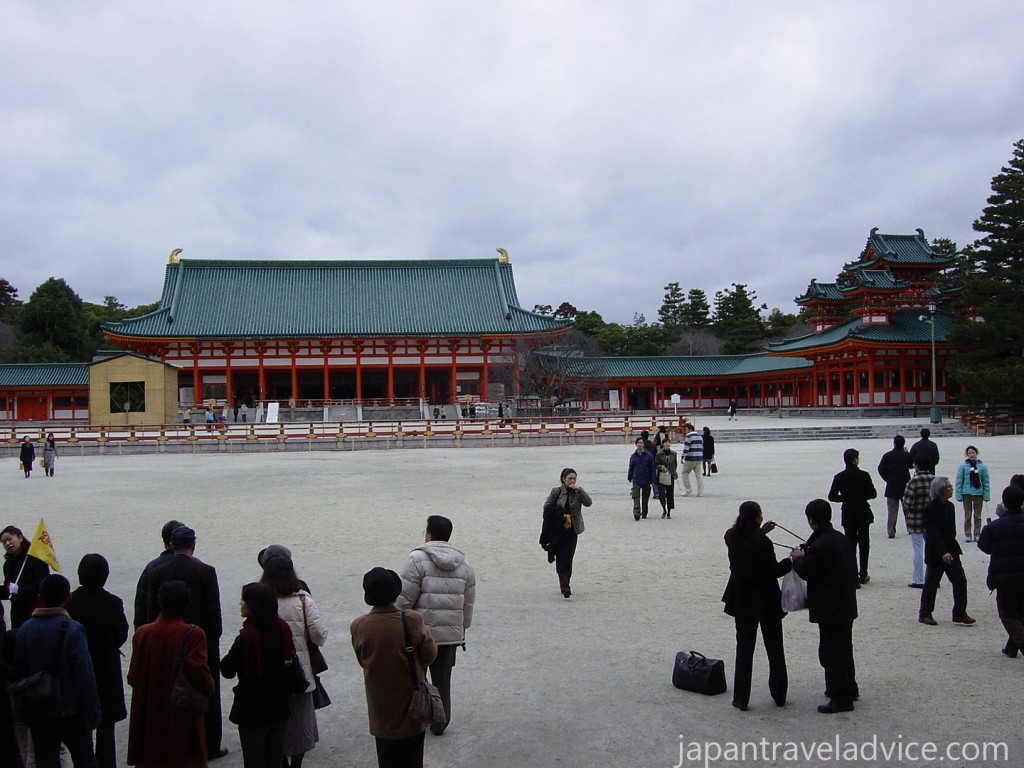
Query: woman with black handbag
point(296, 608)
point(752, 597)
point(259, 657)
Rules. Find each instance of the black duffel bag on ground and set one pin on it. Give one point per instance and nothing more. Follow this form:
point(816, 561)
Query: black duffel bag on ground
point(696, 672)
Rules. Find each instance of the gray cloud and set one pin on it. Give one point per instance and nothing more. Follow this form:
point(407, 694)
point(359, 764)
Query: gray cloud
point(610, 148)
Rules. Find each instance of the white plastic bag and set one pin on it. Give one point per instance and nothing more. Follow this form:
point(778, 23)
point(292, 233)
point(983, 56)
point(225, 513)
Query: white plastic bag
point(794, 593)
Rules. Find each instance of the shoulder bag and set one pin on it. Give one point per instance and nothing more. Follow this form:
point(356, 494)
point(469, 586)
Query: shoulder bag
point(31, 694)
point(425, 706)
point(317, 663)
point(183, 693)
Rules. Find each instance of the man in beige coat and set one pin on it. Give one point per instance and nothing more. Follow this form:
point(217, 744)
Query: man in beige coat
point(378, 639)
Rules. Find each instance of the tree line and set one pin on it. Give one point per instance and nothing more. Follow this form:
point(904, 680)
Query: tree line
point(688, 324)
point(55, 325)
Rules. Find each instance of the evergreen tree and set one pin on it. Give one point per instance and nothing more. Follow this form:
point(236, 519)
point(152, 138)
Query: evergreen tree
point(8, 298)
point(697, 313)
point(643, 338)
point(54, 319)
point(737, 322)
point(672, 314)
point(989, 358)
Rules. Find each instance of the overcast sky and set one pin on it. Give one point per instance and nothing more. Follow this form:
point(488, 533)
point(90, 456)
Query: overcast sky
point(610, 147)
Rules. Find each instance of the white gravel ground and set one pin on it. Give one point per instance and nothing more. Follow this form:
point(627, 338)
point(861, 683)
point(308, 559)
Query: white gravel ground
point(547, 681)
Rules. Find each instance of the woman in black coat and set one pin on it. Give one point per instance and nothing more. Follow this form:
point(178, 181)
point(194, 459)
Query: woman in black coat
point(106, 629)
point(22, 575)
point(752, 597)
point(257, 657)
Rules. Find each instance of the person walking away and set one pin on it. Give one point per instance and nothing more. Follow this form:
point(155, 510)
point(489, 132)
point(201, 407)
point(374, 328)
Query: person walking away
point(641, 476)
point(894, 469)
point(693, 458)
point(101, 614)
point(161, 735)
point(827, 563)
point(52, 640)
point(666, 465)
point(257, 658)
point(915, 498)
point(924, 452)
point(22, 575)
point(709, 451)
point(569, 498)
point(752, 597)
point(440, 585)
point(1003, 539)
point(28, 455)
point(942, 555)
point(853, 489)
point(297, 609)
point(383, 641)
point(973, 488)
point(49, 455)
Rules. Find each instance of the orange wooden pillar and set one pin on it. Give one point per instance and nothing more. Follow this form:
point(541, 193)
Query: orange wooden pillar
point(261, 349)
point(485, 346)
point(903, 380)
point(293, 350)
point(197, 384)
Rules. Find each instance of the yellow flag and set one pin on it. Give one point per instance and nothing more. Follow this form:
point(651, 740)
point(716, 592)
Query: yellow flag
point(41, 547)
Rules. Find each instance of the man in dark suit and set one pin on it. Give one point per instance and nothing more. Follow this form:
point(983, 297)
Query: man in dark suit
point(142, 588)
point(203, 611)
point(925, 453)
point(826, 562)
point(942, 555)
point(894, 469)
point(853, 489)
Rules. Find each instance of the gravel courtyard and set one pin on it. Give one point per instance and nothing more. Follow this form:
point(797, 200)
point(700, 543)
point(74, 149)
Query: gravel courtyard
point(547, 681)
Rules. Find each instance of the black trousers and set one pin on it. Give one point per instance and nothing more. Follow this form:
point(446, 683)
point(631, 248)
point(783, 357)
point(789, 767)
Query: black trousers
point(441, 677)
point(860, 537)
point(835, 654)
point(667, 497)
point(212, 721)
point(746, 639)
point(401, 753)
point(1010, 604)
point(49, 732)
point(933, 575)
point(262, 745)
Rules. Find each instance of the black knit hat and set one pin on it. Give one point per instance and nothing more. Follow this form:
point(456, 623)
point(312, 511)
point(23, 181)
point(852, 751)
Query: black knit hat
point(381, 586)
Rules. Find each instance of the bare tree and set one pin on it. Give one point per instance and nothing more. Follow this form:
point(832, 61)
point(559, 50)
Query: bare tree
point(699, 341)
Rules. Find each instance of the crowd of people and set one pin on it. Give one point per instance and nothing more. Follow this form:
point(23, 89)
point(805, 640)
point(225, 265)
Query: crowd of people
point(834, 565)
point(63, 655)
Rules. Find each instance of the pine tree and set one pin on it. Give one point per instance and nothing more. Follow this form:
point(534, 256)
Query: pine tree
point(989, 358)
point(698, 310)
point(737, 321)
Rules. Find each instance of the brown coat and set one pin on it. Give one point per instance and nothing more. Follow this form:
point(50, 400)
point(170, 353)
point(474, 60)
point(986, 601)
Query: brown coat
point(379, 643)
point(158, 734)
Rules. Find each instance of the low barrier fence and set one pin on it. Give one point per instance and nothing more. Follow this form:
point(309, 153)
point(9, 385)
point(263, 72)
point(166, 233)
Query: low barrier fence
point(331, 435)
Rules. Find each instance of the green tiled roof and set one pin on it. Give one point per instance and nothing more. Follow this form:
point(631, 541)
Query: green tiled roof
point(700, 365)
point(331, 299)
point(904, 327)
point(822, 292)
point(875, 280)
point(44, 375)
point(899, 249)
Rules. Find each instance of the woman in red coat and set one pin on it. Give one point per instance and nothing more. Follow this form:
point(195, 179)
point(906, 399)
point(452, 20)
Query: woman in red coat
point(160, 735)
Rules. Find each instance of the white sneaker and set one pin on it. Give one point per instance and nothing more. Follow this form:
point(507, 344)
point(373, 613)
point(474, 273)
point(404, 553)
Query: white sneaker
point(967, 539)
point(686, 493)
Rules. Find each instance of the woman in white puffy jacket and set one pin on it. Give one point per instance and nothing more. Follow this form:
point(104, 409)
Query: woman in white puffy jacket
point(297, 608)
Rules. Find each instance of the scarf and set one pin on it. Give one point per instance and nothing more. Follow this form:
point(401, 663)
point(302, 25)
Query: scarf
point(975, 478)
point(253, 644)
